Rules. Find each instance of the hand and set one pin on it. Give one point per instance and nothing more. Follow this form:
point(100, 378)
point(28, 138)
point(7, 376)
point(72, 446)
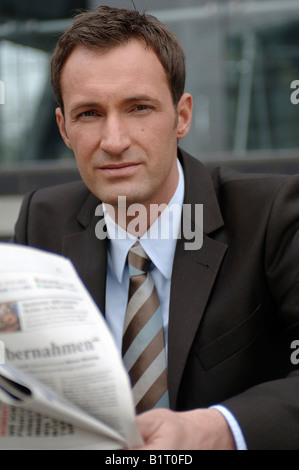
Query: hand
point(202, 429)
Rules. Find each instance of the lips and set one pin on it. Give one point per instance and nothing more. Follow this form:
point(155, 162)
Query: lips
point(113, 166)
point(119, 169)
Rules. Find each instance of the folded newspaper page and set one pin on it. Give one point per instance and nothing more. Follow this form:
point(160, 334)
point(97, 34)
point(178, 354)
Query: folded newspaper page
point(62, 381)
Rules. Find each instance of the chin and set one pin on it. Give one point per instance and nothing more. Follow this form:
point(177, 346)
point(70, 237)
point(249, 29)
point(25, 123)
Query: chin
point(122, 197)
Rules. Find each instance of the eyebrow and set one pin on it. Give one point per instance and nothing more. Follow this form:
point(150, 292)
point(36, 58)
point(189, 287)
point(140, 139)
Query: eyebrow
point(84, 105)
point(141, 98)
point(94, 104)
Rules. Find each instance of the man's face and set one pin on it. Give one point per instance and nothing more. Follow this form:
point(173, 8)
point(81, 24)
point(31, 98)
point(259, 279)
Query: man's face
point(121, 123)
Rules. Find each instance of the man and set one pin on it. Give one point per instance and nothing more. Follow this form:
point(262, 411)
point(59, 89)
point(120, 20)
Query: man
point(230, 306)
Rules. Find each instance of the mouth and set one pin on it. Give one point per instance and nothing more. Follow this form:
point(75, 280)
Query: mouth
point(119, 169)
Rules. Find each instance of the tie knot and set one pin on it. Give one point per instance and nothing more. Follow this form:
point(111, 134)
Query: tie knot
point(139, 262)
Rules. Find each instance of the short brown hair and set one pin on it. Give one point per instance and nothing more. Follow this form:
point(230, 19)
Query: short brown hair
point(108, 27)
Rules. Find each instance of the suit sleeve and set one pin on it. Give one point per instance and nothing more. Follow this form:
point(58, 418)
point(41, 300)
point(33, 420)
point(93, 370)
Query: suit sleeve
point(21, 228)
point(269, 413)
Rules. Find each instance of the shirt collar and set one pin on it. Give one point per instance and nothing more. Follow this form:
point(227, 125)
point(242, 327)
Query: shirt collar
point(159, 242)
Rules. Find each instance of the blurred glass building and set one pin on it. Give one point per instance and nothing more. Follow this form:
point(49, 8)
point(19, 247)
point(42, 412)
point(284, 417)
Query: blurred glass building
point(242, 61)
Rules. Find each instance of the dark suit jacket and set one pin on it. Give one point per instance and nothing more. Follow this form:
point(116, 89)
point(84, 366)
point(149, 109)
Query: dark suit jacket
point(234, 307)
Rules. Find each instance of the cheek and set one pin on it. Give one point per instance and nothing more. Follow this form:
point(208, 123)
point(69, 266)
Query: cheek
point(158, 139)
point(84, 144)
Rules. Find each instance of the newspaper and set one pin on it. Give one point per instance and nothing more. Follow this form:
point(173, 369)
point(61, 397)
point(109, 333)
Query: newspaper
point(62, 381)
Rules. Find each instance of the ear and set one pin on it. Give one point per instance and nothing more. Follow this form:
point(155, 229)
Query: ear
point(185, 107)
point(61, 125)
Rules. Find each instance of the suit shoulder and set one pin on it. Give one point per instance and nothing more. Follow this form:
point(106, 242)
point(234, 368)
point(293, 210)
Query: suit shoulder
point(226, 175)
point(73, 190)
point(223, 176)
point(58, 203)
point(49, 214)
point(60, 199)
point(258, 184)
point(255, 194)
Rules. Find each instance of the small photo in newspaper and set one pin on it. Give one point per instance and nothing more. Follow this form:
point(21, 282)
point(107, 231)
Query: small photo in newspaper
point(9, 317)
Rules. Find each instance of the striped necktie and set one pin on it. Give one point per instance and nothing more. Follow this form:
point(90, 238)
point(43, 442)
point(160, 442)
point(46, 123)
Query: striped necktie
point(143, 338)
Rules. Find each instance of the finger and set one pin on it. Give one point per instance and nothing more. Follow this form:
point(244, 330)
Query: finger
point(147, 424)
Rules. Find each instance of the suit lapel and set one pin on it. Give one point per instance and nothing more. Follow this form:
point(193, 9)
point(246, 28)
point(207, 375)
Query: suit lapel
point(194, 272)
point(88, 253)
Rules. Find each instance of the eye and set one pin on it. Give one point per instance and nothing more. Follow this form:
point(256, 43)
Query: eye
point(89, 113)
point(141, 109)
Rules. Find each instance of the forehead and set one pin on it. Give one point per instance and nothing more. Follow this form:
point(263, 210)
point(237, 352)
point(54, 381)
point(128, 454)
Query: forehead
point(126, 67)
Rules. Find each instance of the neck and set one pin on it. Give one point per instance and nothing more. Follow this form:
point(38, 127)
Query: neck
point(137, 218)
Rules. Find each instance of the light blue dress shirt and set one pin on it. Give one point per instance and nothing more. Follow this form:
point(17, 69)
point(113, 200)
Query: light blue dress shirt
point(159, 242)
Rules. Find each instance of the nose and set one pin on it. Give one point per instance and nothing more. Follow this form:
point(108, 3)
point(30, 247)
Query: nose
point(115, 136)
